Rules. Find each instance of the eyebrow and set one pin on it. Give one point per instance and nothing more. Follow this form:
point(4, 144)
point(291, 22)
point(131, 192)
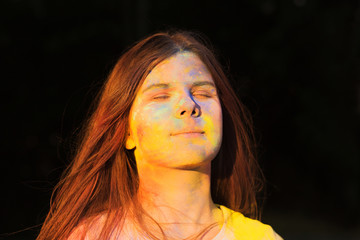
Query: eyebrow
point(156, 85)
point(167, 85)
point(203, 83)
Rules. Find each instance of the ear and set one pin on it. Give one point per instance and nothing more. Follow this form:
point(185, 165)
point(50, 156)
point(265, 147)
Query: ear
point(130, 143)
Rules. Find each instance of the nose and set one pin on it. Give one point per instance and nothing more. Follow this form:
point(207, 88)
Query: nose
point(187, 107)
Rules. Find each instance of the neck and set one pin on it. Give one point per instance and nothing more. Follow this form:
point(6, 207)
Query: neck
point(178, 199)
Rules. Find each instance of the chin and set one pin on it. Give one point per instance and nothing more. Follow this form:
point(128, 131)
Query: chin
point(191, 164)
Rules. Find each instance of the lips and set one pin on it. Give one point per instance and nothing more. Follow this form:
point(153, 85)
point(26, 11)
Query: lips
point(190, 132)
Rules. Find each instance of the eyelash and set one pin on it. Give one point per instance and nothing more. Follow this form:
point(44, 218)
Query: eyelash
point(163, 97)
point(202, 94)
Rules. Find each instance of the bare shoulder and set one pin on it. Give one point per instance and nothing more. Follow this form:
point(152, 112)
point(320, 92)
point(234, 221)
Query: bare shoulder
point(91, 228)
point(88, 229)
point(277, 236)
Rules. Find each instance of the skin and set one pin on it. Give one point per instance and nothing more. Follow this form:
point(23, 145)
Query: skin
point(176, 130)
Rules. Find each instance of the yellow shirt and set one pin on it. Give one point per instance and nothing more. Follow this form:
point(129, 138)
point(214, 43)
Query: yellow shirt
point(237, 226)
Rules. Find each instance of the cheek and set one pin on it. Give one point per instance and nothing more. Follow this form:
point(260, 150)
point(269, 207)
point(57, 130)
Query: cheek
point(140, 132)
point(158, 113)
point(150, 122)
point(213, 117)
point(213, 123)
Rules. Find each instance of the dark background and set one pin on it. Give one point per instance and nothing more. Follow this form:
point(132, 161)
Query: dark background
point(294, 63)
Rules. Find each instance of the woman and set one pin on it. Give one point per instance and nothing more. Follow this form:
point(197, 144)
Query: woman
point(167, 140)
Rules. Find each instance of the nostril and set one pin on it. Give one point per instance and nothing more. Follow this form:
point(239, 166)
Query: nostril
point(182, 113)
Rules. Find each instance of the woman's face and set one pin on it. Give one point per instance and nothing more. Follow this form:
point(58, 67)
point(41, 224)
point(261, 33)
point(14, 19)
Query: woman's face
point(176, 119)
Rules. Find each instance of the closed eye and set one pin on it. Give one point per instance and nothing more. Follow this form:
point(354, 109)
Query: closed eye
point(162, 96)
point(203, 94)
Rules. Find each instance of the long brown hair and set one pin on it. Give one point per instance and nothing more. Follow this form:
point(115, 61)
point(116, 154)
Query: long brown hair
point(102, 177)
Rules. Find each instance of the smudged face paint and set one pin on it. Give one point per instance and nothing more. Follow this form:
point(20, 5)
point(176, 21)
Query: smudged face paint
point(176, 118)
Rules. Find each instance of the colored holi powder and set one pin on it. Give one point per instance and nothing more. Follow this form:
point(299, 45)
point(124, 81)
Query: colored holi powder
point(177, 85)
point(197, 72)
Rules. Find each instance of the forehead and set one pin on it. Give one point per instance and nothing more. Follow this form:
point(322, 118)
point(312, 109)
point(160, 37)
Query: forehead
point(182, 68)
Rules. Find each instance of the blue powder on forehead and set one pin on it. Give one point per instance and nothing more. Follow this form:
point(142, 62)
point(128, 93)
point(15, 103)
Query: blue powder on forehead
point(195, 72)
